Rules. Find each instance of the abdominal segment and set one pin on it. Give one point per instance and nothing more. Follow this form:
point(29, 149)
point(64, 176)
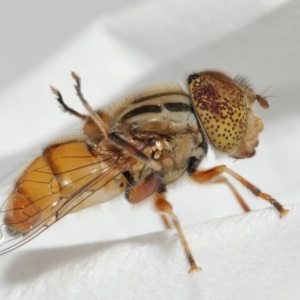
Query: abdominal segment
point(59, 180)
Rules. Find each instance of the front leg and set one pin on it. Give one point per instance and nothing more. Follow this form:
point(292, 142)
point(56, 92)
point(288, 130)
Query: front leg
point(211, 174)
point(103, 123)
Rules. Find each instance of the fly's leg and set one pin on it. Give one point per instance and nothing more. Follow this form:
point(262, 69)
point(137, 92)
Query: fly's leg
point(65, 107)
point(134, 191)
point(103, 123)
point(207, 175)
point(165, 208)
point(110, 134)
point(238, 197)
point(144, 189)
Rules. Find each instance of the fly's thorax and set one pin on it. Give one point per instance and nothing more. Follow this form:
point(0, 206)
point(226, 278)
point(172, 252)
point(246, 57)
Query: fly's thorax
point(224, 108)
point(175, 154)
point(161, 110)
point(161, 123)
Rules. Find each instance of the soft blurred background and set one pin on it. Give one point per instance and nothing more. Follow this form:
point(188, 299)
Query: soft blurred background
point(122, 46)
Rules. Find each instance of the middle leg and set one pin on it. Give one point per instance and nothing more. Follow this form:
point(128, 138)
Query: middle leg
point(165, 208)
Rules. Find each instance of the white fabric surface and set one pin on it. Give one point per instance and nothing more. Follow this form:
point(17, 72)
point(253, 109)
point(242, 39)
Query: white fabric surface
point(99, 253)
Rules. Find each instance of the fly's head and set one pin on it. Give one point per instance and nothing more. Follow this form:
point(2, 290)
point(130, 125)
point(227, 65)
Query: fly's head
point(224, 108)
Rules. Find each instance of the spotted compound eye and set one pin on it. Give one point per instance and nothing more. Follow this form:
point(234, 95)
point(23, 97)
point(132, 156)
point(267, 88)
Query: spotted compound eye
point(224, 108)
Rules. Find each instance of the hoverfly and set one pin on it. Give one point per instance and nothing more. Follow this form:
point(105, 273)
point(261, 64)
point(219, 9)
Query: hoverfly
point(138, 147)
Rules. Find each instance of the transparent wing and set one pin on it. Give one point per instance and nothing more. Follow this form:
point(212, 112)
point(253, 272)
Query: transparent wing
point(66, 183)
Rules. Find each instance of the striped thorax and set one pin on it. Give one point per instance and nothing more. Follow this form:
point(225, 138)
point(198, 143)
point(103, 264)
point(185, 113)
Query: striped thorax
point(161, 122)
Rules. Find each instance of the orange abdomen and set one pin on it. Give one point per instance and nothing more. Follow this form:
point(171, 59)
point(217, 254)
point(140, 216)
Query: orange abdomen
point(49, 181)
